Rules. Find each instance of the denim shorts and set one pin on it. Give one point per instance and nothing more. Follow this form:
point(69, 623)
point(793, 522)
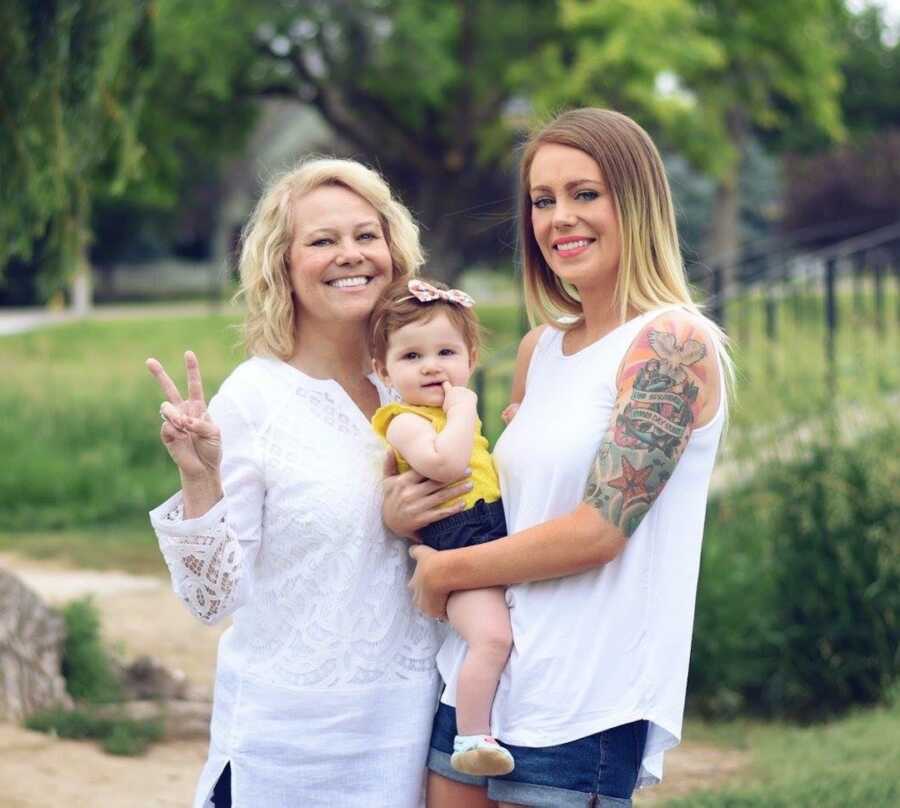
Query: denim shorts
point(484, 521)
point(600, 770)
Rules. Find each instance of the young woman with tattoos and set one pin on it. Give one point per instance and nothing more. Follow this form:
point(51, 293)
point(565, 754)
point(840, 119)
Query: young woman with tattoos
point(604, 471)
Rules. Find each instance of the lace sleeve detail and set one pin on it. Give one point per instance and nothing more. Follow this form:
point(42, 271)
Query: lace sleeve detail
point(204, 565)
point(210, 558)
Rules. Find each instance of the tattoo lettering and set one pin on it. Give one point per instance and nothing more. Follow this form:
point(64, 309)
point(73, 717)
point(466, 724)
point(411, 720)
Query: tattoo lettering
point(649, 431)
point(659, 413)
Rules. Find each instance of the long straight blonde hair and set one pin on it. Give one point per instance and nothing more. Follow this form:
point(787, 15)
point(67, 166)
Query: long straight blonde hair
point(651, 271)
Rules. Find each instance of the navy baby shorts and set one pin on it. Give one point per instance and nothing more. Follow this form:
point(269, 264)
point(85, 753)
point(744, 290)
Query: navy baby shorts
point(482, 522)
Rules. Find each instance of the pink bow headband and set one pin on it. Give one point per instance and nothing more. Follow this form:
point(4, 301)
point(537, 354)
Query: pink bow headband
point(424, 292)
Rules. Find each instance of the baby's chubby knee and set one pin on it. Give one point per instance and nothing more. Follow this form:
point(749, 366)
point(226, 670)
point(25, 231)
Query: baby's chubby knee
point(493, 642)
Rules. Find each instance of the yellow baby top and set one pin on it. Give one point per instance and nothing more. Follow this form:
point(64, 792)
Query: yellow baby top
point(485, 483)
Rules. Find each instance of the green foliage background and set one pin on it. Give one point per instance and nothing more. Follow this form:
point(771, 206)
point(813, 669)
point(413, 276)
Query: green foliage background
point(798, 611)
point(118, 735)
point(141, 102)
point(71, 88)
point(86, 665)
point(854, 761)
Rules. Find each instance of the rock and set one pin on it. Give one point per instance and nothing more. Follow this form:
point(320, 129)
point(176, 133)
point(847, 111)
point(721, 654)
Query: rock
point(147, 678)
point(153, 692)
point(187, 720)
point(181, 720)
point(31, 644)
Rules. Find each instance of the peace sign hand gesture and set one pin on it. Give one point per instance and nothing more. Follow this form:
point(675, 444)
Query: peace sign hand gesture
point(188, 433)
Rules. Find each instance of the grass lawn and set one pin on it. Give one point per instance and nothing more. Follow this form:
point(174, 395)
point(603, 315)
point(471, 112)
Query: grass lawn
point(82, 463)
point(854, 761)
point(80, 432)
point(80, 426)
point(131, 547)
point(787, 380)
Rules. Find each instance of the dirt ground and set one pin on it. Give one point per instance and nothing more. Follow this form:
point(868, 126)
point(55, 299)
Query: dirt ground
point(140, 615)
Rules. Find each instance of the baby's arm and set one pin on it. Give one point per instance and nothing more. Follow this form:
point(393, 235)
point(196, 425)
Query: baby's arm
point(442, 456)
point(523, 360)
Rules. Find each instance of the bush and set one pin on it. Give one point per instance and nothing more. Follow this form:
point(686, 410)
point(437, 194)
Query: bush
point(131, 737)
point(799, 596)
point(86, 665)
point(91, 677)
point(734, 648)
point(119, 735)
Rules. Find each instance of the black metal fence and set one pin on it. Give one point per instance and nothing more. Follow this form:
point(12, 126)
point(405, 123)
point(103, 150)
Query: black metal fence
point(808, 325)
point(850, 286)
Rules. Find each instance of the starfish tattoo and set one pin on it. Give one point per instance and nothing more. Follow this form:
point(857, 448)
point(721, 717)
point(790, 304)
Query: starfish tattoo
point(633, 482)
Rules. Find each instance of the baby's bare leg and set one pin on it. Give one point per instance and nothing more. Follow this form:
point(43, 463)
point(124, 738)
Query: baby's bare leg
point(481, 618)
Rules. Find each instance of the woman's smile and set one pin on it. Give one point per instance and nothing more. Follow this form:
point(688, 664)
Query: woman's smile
point(354, 282)
point(571, 248)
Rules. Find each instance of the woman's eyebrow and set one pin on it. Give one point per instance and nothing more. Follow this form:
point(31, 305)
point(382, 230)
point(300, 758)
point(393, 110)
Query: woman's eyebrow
point(316, 231)
point(570, 184)
point(330, 231)
point(573, 183)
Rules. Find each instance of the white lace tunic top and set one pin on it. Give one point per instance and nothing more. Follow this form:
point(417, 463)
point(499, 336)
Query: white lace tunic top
point(325, 684)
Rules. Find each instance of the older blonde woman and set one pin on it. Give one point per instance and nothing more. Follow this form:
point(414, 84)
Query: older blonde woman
point(325, 684)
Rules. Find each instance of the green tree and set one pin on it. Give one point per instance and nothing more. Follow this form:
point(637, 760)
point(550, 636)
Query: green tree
point(854, 187)
point(871, 70)
point(117, 111)
point(199, 95)
point(705, 75)
point(781, 76)
point(427, 91)
point(200, 110)
point(70, 93)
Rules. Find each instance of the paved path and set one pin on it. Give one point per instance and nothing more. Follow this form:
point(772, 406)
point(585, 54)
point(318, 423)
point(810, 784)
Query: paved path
point(20, 321)
point(58, 584)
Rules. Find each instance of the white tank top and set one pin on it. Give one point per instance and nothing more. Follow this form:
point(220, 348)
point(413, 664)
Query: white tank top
point(611, 645)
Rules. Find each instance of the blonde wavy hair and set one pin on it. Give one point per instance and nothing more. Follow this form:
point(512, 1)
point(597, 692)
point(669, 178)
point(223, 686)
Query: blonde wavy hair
point(268, 328)
point(651, 272)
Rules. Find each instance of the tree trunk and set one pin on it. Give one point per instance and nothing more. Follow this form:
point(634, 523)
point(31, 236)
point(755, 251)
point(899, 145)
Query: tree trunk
point(723, 247)
point(76, 253)
point(82, 289)
point(445, 260)
point(465, 216)
point(724, 239)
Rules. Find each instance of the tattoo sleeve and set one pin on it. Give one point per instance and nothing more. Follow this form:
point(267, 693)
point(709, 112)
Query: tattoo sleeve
point(659, 400)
